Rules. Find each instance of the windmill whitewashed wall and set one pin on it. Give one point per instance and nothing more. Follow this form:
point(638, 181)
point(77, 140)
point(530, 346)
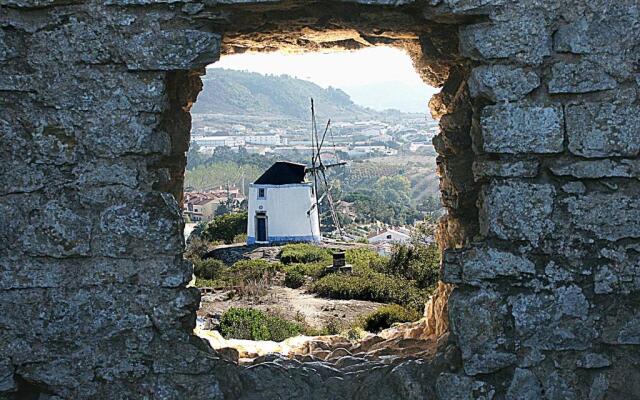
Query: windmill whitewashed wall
point(289, 212)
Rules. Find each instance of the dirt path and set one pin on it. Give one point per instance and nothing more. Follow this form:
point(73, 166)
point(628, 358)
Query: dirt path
point(291, 303)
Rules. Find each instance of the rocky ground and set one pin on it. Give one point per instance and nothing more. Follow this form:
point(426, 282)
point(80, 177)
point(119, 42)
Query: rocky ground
point(290, 303)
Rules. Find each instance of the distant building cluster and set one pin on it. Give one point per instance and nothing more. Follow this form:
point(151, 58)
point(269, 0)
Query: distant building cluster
point(353, 139)
point(208, 144)
point(202, 206)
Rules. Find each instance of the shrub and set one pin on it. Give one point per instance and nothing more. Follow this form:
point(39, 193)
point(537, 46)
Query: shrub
point(225, 227)
point(371, 286)
point(245, 271)
point(418, 262)
point(365, 259)
point(196, 248)
point(294, 279)
point(208, 269)
point(333, 326)
point(240, 238)
point(252, 324)
point(387, 315)
point(313, 270)
point(304, 253)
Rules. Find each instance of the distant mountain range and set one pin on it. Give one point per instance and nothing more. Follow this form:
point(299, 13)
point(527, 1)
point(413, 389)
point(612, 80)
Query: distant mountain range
point(234, 92)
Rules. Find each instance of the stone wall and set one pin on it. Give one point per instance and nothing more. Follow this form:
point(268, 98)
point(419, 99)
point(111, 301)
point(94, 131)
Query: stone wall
point(538, 158)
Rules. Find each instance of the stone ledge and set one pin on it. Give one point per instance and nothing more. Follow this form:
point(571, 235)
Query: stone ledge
point(629, 168)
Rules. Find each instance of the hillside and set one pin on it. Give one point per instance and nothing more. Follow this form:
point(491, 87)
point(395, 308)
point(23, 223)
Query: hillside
point(247, 93)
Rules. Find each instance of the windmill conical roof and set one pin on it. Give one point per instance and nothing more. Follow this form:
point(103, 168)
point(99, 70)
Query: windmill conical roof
point(282, 173)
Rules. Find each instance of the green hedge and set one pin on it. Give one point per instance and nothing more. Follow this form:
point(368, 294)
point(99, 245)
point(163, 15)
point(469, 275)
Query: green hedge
point(304, 253)
point(371, 286)
point(252, 324)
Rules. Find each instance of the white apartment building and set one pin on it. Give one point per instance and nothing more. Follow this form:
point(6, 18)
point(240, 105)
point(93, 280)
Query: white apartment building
point(266, 140)
point(218, 141)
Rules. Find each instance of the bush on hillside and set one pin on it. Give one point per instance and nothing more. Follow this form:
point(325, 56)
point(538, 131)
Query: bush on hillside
point(418, 262)
point(252, 270)
point(304, 253)
point(225, 228)
point(385, 316)
point(252, 324)
point(312, 270)
point(208, 269)
point(364, 259)
point(371, 286)
point(294, 279)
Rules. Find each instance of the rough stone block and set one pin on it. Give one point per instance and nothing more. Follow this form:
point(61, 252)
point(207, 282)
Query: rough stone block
point(76, 41)
point(121, 132)
point(593, 360)
point(517, 211)
point(108, 88)
point(501, 82)
point(141, 226)
point(622, 277)
point(524, 385)
point(596, 168)
point(516, 129)
point(559, 386)
point(575, 187)
point(480, 264)
point(48, 272)
point(120, 172)
point(460, 387)
point(523, 39)
point(57, 231)
point(606, 37)
point(622, 326)
point(599, 387)
point(603, 129)
point(609, 216)
point(505, 169)
point(557, 321)
point(171, 50)
point(477, 320)
point(7, 380)
point(463, 6)
point(582, 77)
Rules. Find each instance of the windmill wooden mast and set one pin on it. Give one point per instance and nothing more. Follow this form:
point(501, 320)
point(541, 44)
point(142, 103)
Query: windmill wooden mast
point(318, 169)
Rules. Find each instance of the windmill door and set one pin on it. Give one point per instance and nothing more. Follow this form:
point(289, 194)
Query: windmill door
point(261, 228)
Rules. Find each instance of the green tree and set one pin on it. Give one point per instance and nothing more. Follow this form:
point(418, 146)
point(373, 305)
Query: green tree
point(225, 227)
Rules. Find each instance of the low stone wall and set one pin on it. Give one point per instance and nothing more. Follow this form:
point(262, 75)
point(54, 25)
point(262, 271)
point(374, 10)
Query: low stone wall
point(539, 173)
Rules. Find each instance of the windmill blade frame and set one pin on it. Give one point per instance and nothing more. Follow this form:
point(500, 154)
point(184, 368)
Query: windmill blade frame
point(318, 167)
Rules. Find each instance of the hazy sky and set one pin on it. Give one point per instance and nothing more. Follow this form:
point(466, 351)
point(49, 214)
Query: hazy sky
point(347, 70)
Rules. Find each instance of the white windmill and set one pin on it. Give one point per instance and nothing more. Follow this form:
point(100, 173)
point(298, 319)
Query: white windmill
point(284, 206)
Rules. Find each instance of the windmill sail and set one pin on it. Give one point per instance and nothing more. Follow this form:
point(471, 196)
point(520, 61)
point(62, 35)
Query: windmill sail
point(318, 170)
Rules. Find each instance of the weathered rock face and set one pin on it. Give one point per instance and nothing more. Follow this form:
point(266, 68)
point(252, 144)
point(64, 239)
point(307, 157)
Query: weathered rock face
point(539, 153)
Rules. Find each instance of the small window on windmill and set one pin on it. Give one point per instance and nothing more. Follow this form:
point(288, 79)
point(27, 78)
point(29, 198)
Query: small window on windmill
point(261, 193)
